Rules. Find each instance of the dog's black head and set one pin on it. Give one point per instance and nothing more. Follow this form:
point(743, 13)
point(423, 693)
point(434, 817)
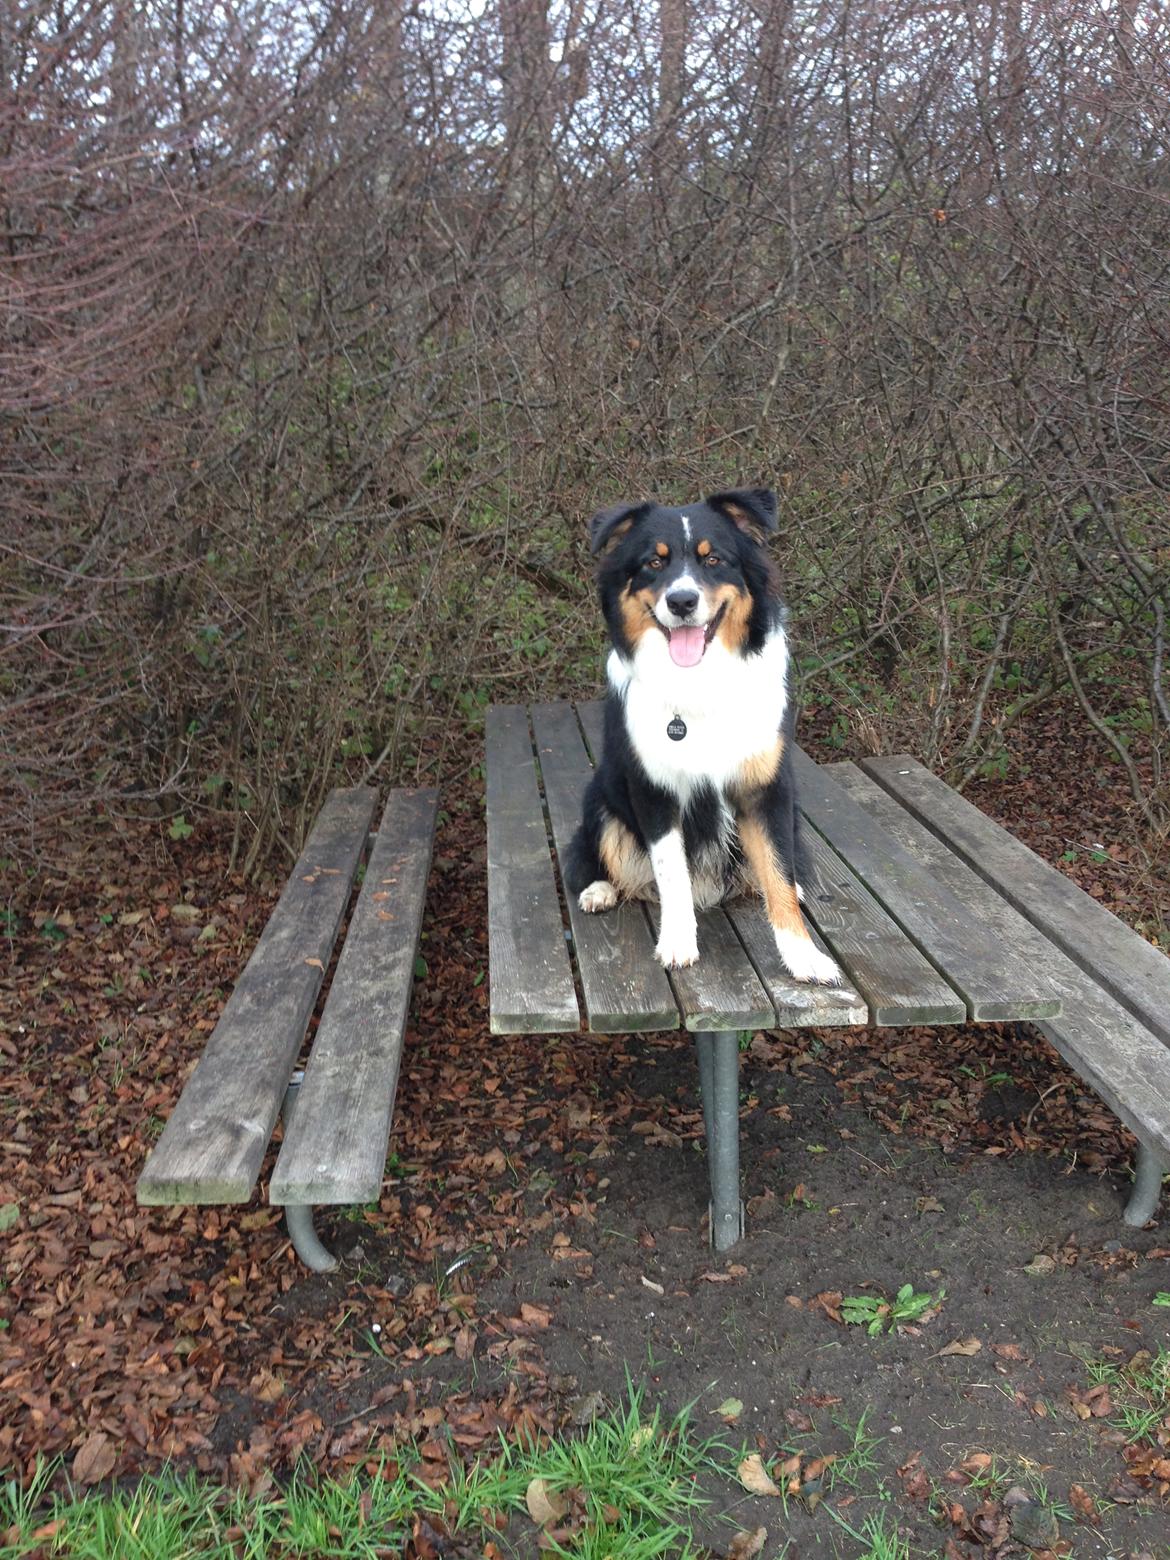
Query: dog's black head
point(690, 574)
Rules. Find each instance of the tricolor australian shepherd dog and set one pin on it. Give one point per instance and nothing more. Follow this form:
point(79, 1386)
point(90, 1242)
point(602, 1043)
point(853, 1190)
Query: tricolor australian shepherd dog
point(694, 799)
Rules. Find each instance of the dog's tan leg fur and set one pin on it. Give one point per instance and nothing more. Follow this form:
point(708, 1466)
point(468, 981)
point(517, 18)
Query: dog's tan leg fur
point(627, 866)
point(800, 954)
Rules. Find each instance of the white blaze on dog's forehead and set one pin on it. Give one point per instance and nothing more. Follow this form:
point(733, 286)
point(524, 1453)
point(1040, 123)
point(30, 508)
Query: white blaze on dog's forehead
point(686, 522)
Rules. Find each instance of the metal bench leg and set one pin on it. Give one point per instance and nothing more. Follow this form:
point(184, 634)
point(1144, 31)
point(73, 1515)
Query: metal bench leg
point(718, 1055)
point(1151, 1166)
point(298, 1217)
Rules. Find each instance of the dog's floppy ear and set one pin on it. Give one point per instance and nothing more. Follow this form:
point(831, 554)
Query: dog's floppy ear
point(610, 525)
point(752, 509)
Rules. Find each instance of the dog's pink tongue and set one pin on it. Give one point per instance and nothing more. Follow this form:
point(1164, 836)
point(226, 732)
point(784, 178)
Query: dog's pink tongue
point(687, 646)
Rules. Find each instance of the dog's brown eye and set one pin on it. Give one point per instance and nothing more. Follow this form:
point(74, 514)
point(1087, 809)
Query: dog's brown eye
point(710, 560)
point(654, 563)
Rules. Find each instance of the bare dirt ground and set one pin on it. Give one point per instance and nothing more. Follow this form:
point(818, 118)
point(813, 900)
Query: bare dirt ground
point(1027, 1411)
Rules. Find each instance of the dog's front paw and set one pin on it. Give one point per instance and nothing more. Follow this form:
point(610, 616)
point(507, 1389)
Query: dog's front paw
point(600, 895)
point(677, 947)
point(804, 960)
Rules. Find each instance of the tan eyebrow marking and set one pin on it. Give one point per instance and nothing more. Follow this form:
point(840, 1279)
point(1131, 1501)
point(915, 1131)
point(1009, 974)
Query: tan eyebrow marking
point(662, 549)
point(703, 548)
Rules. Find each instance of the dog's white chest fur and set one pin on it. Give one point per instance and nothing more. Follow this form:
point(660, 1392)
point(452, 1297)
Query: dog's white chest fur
point(732, 706)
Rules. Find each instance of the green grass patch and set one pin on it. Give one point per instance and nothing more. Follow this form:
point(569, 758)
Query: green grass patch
point(627, 1485)
point(1139, 1392)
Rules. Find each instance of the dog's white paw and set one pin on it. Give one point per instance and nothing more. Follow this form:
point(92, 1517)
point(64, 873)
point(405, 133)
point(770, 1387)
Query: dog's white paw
point(804, 960)
point(677, 947)
point(600, 895)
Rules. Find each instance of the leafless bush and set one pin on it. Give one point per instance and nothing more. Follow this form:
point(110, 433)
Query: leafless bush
point(327, 324)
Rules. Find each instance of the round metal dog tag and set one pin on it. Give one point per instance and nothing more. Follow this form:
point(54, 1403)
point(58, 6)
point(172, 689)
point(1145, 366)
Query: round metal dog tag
point(676, 729)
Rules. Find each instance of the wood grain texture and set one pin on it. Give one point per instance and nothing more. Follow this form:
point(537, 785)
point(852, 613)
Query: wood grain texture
point(898, 982)
point(624, 986)
point(591, 714)
point(531, 978)
point(799, 1004)
point(1131, 969)
point(976, 961)
point(721, 991)
point(212, 1147)
point(1126, 1064)
point(334, 1150)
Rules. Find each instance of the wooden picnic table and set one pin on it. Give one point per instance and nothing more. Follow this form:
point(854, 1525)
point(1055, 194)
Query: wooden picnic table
point(904, 930)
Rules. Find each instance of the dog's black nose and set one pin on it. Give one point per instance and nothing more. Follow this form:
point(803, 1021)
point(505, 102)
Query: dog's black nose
point(682, 602)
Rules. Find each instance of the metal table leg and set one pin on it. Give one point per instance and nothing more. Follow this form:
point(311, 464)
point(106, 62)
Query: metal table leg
point(298, 1217)
point(718, 1055)
point(1152, 1164)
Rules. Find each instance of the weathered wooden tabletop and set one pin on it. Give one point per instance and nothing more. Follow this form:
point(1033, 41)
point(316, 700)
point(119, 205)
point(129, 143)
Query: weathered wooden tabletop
point(913, 950)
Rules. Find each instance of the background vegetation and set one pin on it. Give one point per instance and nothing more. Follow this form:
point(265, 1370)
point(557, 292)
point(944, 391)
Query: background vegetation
point(326, 324)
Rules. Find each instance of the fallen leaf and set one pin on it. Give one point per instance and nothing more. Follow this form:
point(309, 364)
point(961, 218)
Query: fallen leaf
point(1083, 1504)
point(1008, 1351)
point(754, 1476)
point(316, 963)
point(730, 1408)
point(965, 1346)
point(789, 1471)
point(829, 1301)
point(1041, 1265)
point(744, 1545)
point(545, 1506)
point(650, 1284)
point(95, 1460)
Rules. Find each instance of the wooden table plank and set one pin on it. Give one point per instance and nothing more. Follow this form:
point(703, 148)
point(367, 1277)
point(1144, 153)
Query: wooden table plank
point(531, 979)
point(212, 1147)
point(1131, 969)
point(799, 1004)
point(334, 1149)
point(624, 986)
point(721, 991)
point(994, 982)
point(1127, 1065)
point(898, 982)
point(591, 714)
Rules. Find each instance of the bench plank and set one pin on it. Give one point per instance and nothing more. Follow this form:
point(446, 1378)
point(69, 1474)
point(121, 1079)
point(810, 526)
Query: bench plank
point(1131, 969)
point(993, 981)
point(531, 979)
point(213, 1145)
point(334, 1149)
point(1103, 1043)
point(624, 987)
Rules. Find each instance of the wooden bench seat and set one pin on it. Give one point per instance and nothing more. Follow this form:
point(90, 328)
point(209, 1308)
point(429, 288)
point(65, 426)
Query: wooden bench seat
point(334, 1148)
point(1113, 1028)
